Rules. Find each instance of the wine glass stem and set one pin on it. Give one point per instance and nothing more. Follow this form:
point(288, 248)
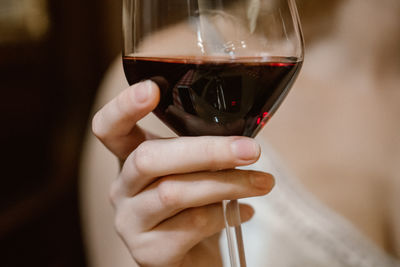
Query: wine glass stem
point(234, 233)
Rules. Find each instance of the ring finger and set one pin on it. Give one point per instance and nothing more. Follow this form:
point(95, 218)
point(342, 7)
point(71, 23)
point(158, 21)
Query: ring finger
point(170, 195)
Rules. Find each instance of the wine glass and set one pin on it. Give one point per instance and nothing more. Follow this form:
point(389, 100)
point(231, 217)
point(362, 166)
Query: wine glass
point(223, 68)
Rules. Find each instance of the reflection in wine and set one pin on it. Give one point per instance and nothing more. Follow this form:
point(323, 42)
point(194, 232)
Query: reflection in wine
point(216, 97)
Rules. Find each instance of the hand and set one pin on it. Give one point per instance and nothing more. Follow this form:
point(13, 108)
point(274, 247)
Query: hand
point(168, 193)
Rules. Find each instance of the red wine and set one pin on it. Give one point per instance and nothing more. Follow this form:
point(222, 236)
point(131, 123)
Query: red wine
point(215, 96)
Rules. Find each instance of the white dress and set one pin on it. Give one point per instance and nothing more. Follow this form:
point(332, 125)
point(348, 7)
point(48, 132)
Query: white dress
point(293, 229)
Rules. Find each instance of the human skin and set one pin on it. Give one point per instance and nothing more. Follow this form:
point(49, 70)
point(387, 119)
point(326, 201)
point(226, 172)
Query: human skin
point(169, 191)
point(362, 152)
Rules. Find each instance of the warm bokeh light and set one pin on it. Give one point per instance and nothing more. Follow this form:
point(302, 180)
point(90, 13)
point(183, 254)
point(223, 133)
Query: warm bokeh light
point(23, 20)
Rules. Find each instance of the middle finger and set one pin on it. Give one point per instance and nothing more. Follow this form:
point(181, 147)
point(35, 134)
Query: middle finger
point(158, 158)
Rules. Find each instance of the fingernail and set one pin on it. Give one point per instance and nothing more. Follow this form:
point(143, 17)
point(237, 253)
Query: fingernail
point(261, 182)
point(142, 91)
point(245, 149)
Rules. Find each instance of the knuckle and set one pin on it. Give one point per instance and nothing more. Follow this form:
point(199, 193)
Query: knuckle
point(113, 193)
point(199, 218)
point(168, 194)
point(142, 249)
point(97, 125)
point(142, 258)
point(142, 158)
point(120, 221)
point(137, 244)
point(145, 257)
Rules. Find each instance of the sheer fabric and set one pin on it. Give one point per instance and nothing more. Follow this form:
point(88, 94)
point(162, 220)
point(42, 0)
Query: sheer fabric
point(293, 229)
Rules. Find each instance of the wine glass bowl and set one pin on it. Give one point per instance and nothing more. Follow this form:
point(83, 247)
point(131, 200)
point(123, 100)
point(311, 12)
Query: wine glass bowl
point(223, 67)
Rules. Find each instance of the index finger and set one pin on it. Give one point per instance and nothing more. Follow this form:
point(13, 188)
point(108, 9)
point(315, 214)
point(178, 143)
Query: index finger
point(115, 123)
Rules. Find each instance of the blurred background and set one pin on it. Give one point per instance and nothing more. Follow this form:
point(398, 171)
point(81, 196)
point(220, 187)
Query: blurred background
point(52, 57)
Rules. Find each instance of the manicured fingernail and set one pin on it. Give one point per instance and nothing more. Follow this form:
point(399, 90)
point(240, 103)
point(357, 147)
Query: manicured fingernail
point(245, 149)
point(142, 91)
